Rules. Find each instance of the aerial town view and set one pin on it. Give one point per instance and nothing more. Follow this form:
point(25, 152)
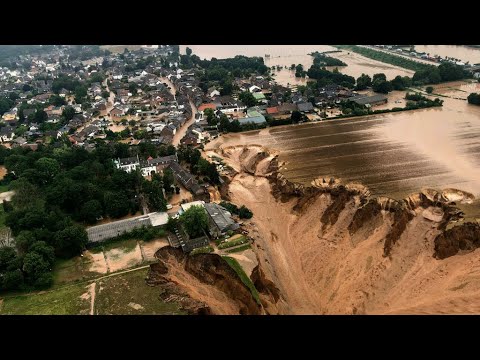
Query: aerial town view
point(239, 180)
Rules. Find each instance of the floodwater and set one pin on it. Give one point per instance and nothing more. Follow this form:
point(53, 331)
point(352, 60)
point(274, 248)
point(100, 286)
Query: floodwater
point(462, 52)
point(286, 55)
point(393, 154)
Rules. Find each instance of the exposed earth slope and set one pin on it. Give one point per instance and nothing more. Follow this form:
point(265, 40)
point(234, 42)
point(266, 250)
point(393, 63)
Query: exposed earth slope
point(330, 248)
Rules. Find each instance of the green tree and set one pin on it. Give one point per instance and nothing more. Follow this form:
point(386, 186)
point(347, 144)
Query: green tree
point(91, 211)
point(247, 98)
point(47, 168)
point(46, 251)
point(429, 89)
point(68, 113)
point(296, 116)
point(382, 86)
point(37, 270)
point(210, 116)
point(154, 194)
point(195, 221)
point(398, 83)
point(40, 116)
point(105, 94)
point(474, 99)
point(363, 82)
point(116, 204)
point(244, 212)
point(379, 76)
point(188, 51)
point(168, 180)
point(71, 241)
point(57, 100)
point(24, 240)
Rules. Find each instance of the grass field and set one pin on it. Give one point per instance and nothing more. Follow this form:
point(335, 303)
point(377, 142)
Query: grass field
point(233, 241)
point(64, 301)
point(239, 249)
point(3, 188)
point(241, 274)
point(128, 294)
point(122, 294)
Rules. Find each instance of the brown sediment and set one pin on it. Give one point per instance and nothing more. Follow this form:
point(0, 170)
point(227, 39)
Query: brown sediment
point(338, 250)
point(465, 237)
point(203, 284)
point(331, 248)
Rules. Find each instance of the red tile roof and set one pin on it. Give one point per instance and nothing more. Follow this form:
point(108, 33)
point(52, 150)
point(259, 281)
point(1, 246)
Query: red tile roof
point(272, 110)
point(207, 106)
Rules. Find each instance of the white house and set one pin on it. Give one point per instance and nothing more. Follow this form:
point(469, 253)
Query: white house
point(214, 93)
point(6, 134)
point(254, 88)
point(128, 164)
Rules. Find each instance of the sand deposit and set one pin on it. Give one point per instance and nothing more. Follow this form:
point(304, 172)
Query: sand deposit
point(326, 256)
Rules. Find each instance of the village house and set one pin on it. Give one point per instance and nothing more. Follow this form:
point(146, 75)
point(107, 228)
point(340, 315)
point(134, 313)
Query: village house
point(220, 220)
point(305, 107)
point(369, 100)
point(7, 134)
point(152, 166)
point(228, 105)
point(128, 164)
point(117, 113)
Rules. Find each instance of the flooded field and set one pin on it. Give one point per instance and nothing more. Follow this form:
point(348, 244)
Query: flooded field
point(393, 154)
point(461, 52)
point(286, 55)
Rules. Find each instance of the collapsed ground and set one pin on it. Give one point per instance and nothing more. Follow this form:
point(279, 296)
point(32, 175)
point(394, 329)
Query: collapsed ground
point(332, 249)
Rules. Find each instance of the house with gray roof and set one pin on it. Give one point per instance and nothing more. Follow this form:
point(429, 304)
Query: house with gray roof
point(220, 219)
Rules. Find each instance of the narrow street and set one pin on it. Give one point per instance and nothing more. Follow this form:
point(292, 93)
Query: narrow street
point(111, 98)
point(183, 130)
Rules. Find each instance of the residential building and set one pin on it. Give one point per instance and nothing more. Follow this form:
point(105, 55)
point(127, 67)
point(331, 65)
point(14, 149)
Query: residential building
point(220, 220)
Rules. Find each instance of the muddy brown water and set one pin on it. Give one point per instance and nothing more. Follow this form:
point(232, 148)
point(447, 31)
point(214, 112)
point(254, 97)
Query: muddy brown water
point(285, 55)
point(461, 52)
point(393, 154)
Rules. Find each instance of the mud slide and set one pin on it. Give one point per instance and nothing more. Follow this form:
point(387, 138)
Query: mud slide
point(203, 284)
point(330, 248)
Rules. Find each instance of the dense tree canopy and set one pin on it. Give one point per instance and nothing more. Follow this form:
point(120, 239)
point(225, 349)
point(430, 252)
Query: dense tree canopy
point(363, 82)
point(195, 221)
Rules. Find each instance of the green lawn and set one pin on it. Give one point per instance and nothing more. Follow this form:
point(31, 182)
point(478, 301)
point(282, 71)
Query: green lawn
point(237, 241)
point(124, 294)
point(241, 274)
point(124, 245)
point(202, 250)
point(73, 270)
point(63, 301)
point(4, 188)
point(239, 249)
point(128, 294)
